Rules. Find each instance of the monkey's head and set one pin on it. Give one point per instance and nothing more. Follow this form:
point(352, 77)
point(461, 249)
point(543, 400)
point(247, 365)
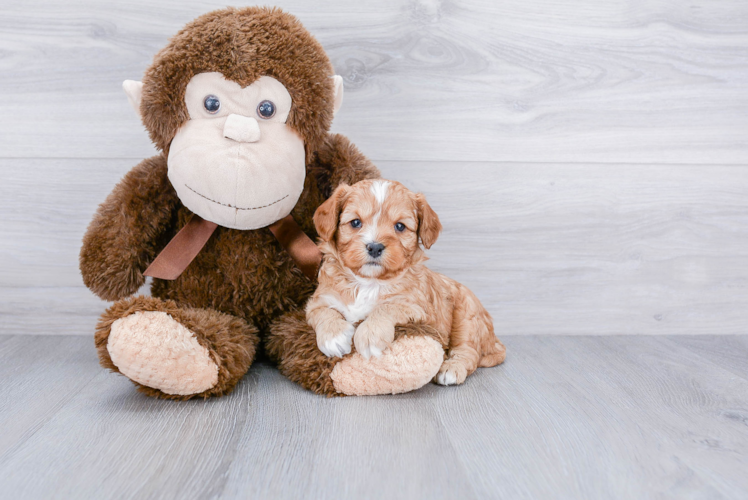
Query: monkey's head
point(237, 100)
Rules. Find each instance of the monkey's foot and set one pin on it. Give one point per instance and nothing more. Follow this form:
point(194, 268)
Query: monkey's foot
point(153, 349)
point(173, 352)
point(409, 363)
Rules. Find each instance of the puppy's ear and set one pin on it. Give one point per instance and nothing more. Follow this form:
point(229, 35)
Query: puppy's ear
point(429, 226)
point(327, 215)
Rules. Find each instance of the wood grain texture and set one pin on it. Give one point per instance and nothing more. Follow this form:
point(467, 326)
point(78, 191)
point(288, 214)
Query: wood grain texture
point(552, 249)
point(542, 81)
point(557, 233)
point(565, 417)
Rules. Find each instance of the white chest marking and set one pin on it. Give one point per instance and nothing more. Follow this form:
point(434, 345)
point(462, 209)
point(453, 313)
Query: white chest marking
point(367, 296)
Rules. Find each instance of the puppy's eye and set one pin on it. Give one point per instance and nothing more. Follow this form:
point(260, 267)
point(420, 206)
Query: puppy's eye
point(355, 223)
point(399, 227)
point(211, 104)
point(266, 109)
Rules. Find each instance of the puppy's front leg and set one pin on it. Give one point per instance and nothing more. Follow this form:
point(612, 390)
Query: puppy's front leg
point(373, 336)
point(377, 331)
point(334, 333)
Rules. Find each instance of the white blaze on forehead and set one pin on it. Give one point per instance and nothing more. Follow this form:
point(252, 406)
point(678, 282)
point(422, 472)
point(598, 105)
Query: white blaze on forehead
point(379, 190)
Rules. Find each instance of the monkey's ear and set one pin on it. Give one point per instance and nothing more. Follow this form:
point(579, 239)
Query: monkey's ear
point(134, 91)
point(338, 99)
point(327, 215)
point(429, 225)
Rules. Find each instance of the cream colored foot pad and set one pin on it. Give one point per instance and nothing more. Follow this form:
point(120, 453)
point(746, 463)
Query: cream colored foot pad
point(157, 351)
point(409, 363)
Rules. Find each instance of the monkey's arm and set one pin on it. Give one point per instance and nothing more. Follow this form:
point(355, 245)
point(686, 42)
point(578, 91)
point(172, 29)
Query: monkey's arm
point(127, 230)
point(339, 161)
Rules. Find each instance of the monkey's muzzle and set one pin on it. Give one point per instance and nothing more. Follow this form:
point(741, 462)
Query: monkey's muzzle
point(241, 129)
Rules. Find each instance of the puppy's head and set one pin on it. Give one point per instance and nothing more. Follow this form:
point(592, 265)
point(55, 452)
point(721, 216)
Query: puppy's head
point(374, 227)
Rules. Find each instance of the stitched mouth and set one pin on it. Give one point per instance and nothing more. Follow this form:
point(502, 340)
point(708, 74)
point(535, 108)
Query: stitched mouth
point(232, 206)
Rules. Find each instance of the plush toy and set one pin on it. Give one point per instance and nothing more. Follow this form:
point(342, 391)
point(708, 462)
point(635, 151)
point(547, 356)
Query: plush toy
point(239, 104)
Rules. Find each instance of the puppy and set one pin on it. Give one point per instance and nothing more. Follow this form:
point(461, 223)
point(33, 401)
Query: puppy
point(373, 273)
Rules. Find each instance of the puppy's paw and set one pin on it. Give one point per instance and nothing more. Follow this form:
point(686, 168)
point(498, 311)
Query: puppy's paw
point(335, 341)
point(372, 338)
point(452, 372)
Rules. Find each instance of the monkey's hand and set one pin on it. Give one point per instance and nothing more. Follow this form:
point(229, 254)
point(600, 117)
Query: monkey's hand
point(127, 231)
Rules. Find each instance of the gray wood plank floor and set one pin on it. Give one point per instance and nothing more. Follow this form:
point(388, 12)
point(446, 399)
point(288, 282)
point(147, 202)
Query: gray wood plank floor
point(565, 417)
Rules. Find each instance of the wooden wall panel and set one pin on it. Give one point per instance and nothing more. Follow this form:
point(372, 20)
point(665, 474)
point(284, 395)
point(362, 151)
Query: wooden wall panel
point(566, 248)
point(538, 81)
point(589, 160)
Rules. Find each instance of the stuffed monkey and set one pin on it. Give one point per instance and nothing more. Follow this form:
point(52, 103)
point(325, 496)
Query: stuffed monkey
point(239, 104)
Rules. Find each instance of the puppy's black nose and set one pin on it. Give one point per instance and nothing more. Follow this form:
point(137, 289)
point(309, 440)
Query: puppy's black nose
point(374, 249)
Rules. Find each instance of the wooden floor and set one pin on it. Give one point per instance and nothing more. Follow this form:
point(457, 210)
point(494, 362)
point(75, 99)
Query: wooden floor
point(565, 417)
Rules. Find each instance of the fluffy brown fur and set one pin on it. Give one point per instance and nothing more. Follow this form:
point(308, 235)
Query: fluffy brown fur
point(242, 44)
point(388, 285)
point(242, 273)
point(242, 281)
point(131, 226)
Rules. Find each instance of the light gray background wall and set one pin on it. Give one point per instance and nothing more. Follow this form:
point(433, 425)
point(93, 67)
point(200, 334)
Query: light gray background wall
point(589, 159)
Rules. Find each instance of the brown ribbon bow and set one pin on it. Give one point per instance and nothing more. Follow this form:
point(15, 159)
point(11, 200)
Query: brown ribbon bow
point(184, 247)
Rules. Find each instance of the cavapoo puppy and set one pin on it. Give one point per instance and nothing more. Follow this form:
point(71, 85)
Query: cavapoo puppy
point(373, 275)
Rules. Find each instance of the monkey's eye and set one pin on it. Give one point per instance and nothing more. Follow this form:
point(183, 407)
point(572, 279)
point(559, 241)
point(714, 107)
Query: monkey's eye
point(266, 109)
point(356, 223)
point(400, 227)
point(212, 104)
